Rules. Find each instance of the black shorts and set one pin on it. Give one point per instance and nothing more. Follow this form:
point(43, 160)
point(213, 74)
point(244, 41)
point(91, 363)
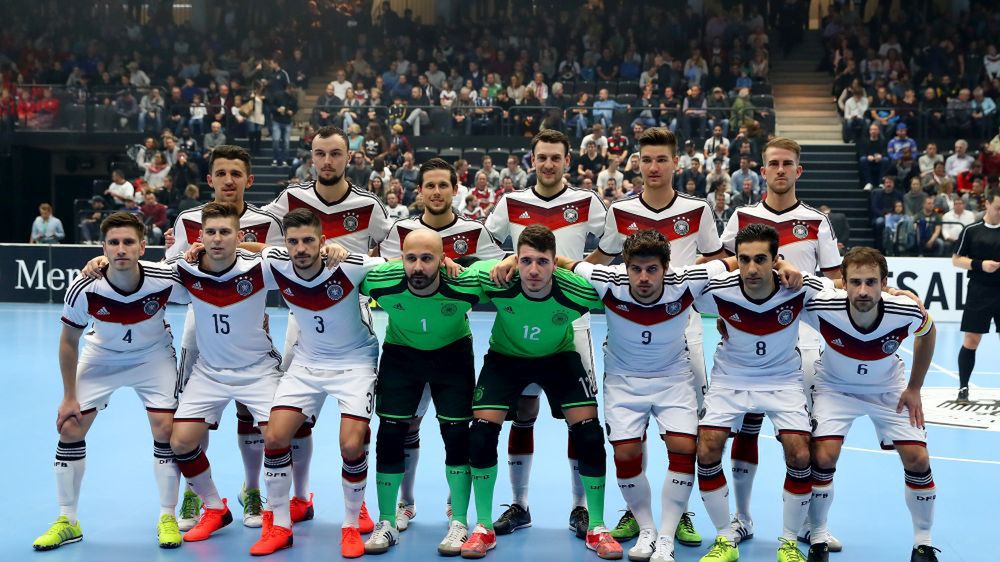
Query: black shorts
point(403, 371)
point(982, 306)
point(561, 376)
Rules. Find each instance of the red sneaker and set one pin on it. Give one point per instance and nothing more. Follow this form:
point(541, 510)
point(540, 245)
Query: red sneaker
point(211, 520)
point(272, 537)
point(365, 523)
point(301, 510)
point(599, 540)
point(481, 541)
point(351, 545)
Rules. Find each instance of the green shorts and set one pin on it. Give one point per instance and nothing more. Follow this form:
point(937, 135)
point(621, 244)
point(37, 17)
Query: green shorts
point(561, 376)
point(404, 371)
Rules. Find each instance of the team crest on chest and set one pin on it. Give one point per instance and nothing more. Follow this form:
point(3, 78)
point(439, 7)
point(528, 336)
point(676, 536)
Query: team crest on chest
point(350, 223)
point(890, 346)
point(673, 308)
point(785, 316)
point(800, 231)
point(682, 227)
point(334, 291)
point(244, 287)
point(151, 307)
point(461, 246)
point(249, 236)
point(560, 318)
point(448, 309)
point(571, 215)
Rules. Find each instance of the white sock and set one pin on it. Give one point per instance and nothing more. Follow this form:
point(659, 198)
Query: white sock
point(579, 497)
point(302, 450)
point(520, 475)
point(795, 496)
point(744, 462)
point(411, 455)
point(674, 498)
point(920, 502)
point(195, 467)
point(743, 476)
point(636, 492)
point(167, 475)
point(278, 479)
point(251, 444)
point(716, 498)
point(71, 460)
point(354, 478)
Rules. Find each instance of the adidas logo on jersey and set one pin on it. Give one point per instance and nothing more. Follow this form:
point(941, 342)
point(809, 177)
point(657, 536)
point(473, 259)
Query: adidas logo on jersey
point(838, 342)
point(524, 215)
point(623, 307)
point(508, 309)
point(633, 227)
point(399, 306)
point(196, 286)
point(735, 318)
point(289, 292)
point(103, 312)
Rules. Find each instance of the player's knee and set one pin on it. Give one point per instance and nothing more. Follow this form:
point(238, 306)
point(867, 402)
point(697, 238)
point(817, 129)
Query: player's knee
point(161, 428)
point(274, 439)
point(797, 455)
point(389, 445)
point(915, 458)
point(971, 340)
point(455, 435)
point(710, 446)
point(183, 443)
point(825, 457)
point(484, 436)
point(625, 452)
point(588, 439)
point(352, 445)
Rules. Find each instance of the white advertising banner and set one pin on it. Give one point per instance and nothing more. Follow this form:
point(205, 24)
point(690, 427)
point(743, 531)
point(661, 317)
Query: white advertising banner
point(941, 285)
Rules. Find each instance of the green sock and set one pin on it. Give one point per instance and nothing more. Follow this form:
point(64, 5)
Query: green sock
point(387, 488)
point(483, 482)
point(460, 485)
point(593, 487)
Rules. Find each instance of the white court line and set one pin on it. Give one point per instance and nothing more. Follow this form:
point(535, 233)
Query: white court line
point(893, 453)
point(940, 369)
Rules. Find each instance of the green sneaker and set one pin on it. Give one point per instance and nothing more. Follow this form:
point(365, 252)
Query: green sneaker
point(167, 532)
point(190, 510)
point(253, 507)
point(686, 533)
point(627, 528)
point(789, 552)
point(61, 532)
point(723, 550)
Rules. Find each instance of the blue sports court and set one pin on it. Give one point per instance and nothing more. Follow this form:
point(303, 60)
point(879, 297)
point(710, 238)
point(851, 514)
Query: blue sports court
point(118, 506)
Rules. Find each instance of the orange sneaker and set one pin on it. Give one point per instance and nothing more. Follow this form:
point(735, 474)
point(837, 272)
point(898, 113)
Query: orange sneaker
point(351, 545)
point(599, 540)
point(481, 541)
point(301, 510)
point(365, 523)
point(211, 520)
point(272, 537)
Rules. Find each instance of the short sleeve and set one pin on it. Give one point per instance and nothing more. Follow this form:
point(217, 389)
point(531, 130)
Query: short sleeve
point(181, 241)
point(612, 241)
point(728, 238)
point(390, 247)
point(497, 222)
point(598, 213)
point(487, 248)
point(708, 236)
point(378, 227)
point(74, 312)
point(828, 256)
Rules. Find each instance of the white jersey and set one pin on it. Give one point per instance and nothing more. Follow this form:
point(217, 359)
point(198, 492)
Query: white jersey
point(760, 353)
point(256, 224)
point(858, 361)
point(805, 237)
point(686, 221)
point(333, 332)
point(463, 237)
point(229, 310)
point(571, 215)
point(356, 222)
point(128, 328)
point(647, 340)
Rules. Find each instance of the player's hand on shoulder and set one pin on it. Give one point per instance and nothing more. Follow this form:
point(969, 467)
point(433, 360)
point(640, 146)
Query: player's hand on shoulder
point(452, 267)
point(334, 253)
point(908, 294)
point(910, 399)
point(69, 409)
point(194, 253)
point(503, 272)
point(168, 238)
point(95, 268)
point(789, 276)
point(990, 266)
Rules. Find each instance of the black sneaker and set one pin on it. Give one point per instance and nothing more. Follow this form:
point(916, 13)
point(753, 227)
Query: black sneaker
point(819, 552)
point(963, 395)
point(516, 517)
point(924, 553)
point(579, 521)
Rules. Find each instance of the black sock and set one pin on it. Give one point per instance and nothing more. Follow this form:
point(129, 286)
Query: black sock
point(966, 362)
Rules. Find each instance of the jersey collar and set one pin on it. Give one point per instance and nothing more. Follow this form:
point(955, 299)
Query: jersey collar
point(454, 220)
point(777, 287)
point(651, 208)
point(331, 203)
point(142, 277)
point(768, 207)
point(875, 324)
point(551, 198)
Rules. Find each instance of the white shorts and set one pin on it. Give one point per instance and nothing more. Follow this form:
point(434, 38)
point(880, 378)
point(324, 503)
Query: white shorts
point(585, 347)
point(304, 389)
point(629, 401)
point(209, 391)
point(785, 407)
point(156, 382)
point(833, 412)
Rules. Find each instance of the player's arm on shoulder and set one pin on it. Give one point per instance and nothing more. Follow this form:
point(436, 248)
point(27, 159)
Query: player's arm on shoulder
point(502, 271)
point(95, 268)
point(69, 345)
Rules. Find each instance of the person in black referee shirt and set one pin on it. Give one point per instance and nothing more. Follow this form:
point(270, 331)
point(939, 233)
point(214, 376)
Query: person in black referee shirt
point(979, 252)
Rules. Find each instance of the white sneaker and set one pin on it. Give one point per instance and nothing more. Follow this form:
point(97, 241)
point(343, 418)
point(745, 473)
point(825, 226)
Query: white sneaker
point(644, 546)
point(451, 544)
point(382, 538)
point(664, 550)
point(404, 513)
point(868, 187)
point(253, 507)
point(447, 510)
point(832, 542)
point(742, 527)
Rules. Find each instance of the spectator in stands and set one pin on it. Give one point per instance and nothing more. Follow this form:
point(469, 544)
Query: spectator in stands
point(256, 117)
point(417, 107)
point(359, 171)
point(605, 107)
point(618, 144)
point(120, 189)
point(717, 139)
point(958, 114)
point(462, 171)
point(896, 145)
point(591, 162)
point(155, 216)
point(471, 209)
point(182, 173)
point(960, 161)
point(578, 114)
point(905, 168)
point(944, 197)
point(718, 172)
point(151, 110)
point(514, 172)
point(461, 111)
point(929, 159)
point(719, 109)
point(744, 173)
point(965, 178)
point(841, 227)
point(447, 96)
point(855, 110)
point(376, 185)
point(220, 105)
point(395, 209)
point(407, 176)
point(213, 138)
point(355, 140)
point(483, 118)
point(881, 111)
point(328, 107)
point(491, 173)
point(90, 221)
point(506, 186)
point(908, 109)
point(284, 104)
point(46, 229)
point(304, 171)
point(695, 68)
point(539, 87)
point(670, 110)
point(609, 173)
point(178, 111)
point(929, 231)
point(375, 145)
point(748, 192)
point(932, 109)
point(953, 222)
point(348, 113)
point(932, 181)
point(188, 144)
point(515, 90)
point(720, 210)
point(126, 110)
point(984, 113)
point(278, 79)
point(913, 200)
point(198, 111)
point(646, 106)
point(883, 203)
point(417, 207)
point(157, 171)
point(694, 113)
point(597, 137)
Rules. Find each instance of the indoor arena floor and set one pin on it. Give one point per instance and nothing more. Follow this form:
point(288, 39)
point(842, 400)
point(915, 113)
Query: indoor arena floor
point(118, 506)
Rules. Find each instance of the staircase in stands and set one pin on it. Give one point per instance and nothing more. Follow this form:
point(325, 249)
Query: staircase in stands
point(803, 103)
point(830, 177)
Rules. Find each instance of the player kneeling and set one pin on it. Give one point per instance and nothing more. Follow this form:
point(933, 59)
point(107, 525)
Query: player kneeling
point(129, 344)
point(860, 374)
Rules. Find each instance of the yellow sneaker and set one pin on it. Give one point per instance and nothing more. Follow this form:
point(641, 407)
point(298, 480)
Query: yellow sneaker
point(167, 532)
point(61, 532)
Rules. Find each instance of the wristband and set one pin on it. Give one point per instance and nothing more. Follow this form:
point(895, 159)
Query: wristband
point(977, 265)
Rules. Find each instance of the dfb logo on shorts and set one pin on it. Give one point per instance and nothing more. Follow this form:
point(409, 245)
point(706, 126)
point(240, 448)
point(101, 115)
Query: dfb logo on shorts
point(448, 309)
point(682, 227)
point(244, 287)
point(890, 346)
point(559, 318)
point(800, 231)
point(150, 308)
point(478, 394)
point(461, 246)
point(571, 215)
point(334, 292)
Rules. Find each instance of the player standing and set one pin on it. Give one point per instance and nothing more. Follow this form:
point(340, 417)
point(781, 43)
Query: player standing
point(129, 344)
point(571, 214)
point(860, 374)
